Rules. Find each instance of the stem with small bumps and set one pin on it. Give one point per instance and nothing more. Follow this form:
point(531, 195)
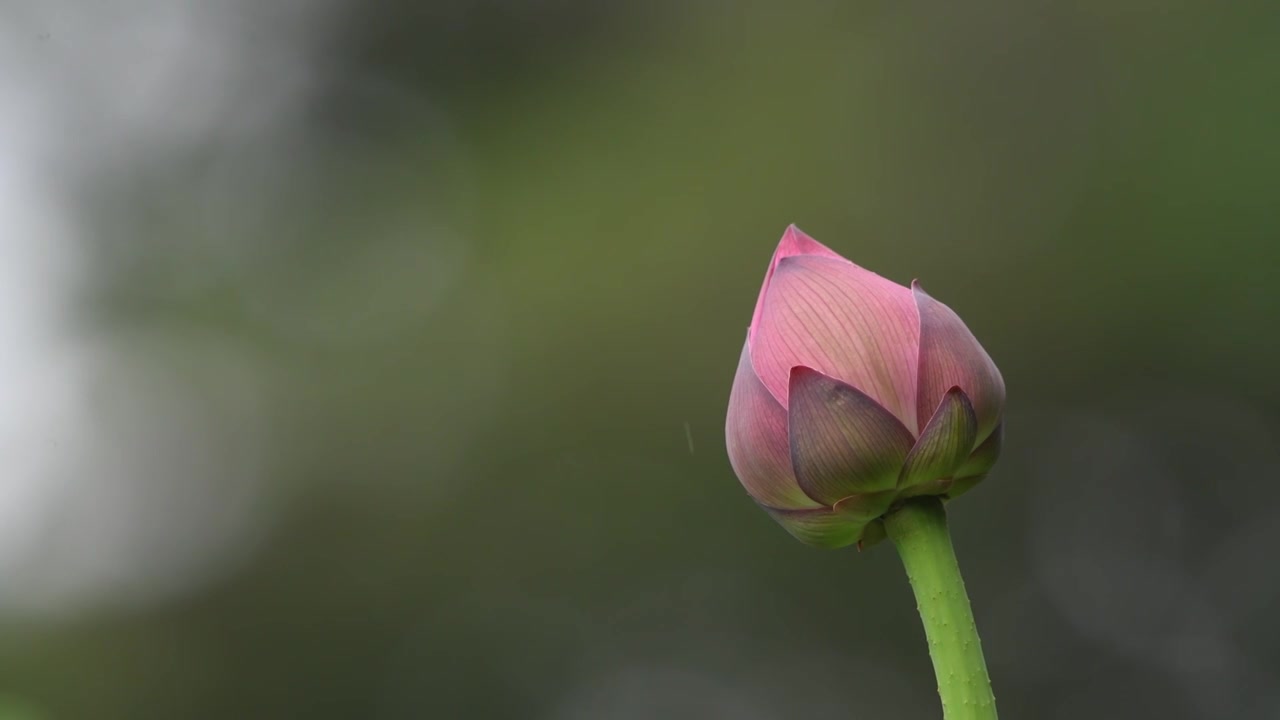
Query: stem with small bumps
point(919, 531)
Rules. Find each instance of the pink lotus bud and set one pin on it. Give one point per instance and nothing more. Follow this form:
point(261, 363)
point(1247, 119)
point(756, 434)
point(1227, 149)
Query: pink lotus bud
point(853, 393)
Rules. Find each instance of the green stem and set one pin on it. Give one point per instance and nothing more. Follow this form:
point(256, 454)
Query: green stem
point(919, 530)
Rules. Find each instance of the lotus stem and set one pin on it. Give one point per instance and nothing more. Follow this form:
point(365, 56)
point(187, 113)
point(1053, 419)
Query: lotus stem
point(919, 531)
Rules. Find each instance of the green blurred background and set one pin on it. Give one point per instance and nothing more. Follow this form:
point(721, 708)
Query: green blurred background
point(370, 359)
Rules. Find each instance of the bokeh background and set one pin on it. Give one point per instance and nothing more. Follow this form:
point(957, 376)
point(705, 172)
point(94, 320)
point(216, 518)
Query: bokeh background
point(370, 359)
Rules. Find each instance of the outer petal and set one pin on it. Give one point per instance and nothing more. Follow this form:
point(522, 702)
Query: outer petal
point(851, 520)
point(756, 437)
point(944, 443)
point(959, 486)
point(874, 534)
point(845, 524)
point(868, 507)
point(847, 322)
point(984, 457)
point(823, 528)
point(975, 468)
point(949, 357)
point(794, 242)
point(842, 442)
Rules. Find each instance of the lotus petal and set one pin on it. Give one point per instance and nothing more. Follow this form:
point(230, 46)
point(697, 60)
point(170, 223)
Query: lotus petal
point(950, 357)
point(945, 442)
point(844, 321)
point(756, 438)
point(843, 443)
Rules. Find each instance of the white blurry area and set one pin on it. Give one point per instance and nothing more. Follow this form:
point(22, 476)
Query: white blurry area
point(131, 461)
point(207, 148)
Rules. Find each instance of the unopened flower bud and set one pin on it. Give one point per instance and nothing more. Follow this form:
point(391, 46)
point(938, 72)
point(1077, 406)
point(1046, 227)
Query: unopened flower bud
point(854, 393)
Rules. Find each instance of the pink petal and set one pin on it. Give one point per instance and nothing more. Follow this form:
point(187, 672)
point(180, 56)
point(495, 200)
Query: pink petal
point(843, 443)
point(844, 321)
point(756, 438)
point(951, 357)
point(945, 442)
point(794, 242)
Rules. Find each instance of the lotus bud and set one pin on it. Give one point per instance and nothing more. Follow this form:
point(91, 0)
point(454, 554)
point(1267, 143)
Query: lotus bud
point(854, 393)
